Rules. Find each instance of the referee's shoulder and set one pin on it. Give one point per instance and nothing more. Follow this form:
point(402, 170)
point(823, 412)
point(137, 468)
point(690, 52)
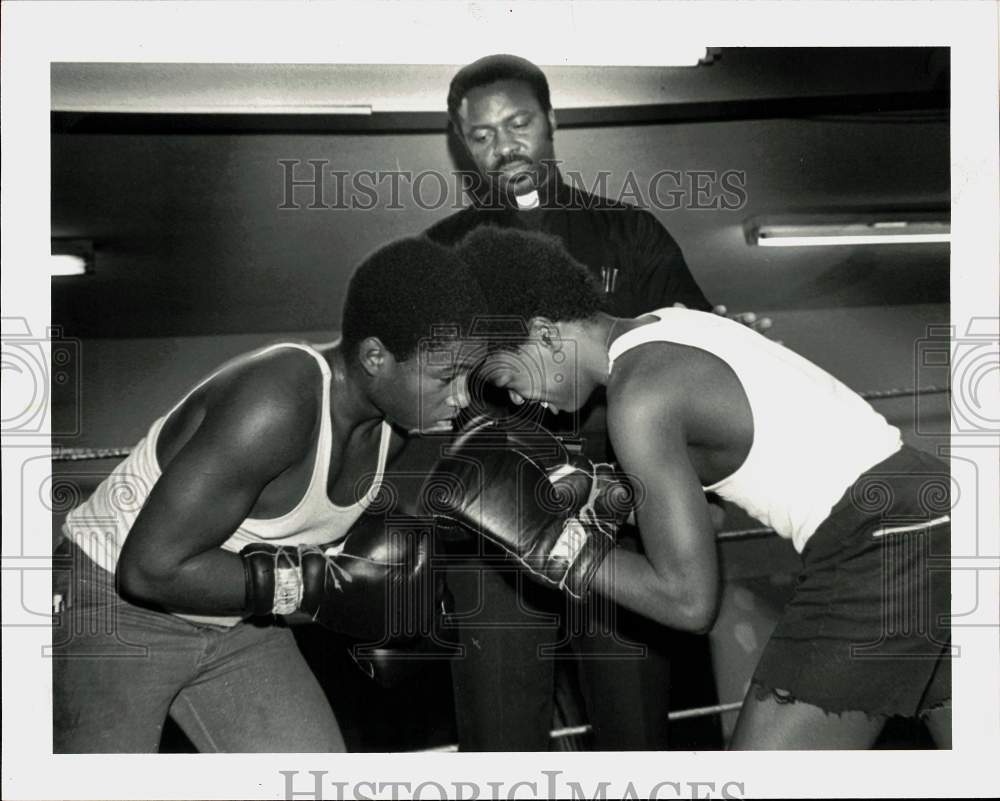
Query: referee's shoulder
point(575, 197)
point(617, 217)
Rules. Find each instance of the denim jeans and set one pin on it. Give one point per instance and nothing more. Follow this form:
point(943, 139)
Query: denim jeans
point(120, 669)
point(513, 634)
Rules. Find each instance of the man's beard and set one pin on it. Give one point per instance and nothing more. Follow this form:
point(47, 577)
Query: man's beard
point(527, 178)
point(531, 177)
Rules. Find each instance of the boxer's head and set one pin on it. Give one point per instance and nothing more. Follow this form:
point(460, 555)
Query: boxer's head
point(537, 294)
point(500, 109)
point(406, 332)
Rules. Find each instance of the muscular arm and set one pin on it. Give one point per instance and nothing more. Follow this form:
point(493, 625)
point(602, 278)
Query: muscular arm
point(254, 428)
point(676, 581)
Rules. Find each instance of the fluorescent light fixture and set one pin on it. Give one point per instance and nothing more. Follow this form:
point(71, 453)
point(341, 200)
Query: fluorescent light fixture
point(884, 232)
point(254, 108)
point(71, 257)
point(67, 265)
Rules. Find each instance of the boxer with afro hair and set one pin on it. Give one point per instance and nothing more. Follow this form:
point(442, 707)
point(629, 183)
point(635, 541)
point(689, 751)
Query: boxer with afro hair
point(525, 274)
point(409, 291)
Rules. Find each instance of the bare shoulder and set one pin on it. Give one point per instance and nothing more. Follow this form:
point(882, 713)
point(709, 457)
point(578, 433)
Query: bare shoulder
point(267, 401)
point(287, 370)
point(663, 388)
point(651, 375)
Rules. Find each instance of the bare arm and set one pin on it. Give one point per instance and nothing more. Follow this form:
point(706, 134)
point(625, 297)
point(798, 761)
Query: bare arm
point(676, 581)
point(253, 429)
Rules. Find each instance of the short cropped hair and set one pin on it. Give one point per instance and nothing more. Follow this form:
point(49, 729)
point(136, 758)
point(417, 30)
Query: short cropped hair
point(409, 291)
point(526, 274)
point(490, 69)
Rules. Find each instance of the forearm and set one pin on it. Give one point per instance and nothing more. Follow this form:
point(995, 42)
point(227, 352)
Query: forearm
point(673, 600)
point(209, 583)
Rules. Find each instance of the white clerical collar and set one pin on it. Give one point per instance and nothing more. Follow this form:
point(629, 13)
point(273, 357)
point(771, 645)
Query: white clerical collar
point(528, 201)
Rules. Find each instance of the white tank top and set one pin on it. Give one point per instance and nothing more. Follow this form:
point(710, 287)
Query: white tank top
point(812, 437)
point(100, 525)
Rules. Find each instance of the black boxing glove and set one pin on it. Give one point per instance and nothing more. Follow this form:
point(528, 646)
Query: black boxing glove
point(374, 584)
point(553, 510)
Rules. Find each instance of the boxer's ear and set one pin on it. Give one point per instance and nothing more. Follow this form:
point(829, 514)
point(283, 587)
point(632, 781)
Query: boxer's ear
point(545, 331)
point(375, 358)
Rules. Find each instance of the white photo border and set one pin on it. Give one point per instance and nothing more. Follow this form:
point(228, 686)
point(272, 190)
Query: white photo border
point(34, 34)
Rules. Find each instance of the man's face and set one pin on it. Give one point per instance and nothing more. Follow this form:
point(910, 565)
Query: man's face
point(425, 392)
point(508, 135)
point(536, 372)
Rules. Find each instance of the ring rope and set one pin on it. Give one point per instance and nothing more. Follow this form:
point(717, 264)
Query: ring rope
point(586, 728)
point(84, 454)
point(880, 394)
point(758, 532)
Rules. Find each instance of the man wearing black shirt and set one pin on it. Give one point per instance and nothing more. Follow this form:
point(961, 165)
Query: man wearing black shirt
point(501, 112)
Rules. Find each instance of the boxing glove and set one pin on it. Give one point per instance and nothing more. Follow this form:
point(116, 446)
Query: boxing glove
point(551, 509)
point(374, 584)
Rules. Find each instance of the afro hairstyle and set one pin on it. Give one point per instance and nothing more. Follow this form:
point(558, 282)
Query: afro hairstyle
point(525, 274)
point(410, 291)
point(490, 69)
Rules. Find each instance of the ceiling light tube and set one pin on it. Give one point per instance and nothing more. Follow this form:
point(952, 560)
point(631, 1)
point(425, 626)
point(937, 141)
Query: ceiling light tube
point(67, 264)
point(71, 257)
point(889, 232)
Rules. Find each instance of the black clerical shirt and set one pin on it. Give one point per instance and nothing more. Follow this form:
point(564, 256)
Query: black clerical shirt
point(636, 262)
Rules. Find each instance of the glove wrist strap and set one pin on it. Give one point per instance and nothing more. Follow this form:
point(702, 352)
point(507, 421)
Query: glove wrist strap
point(287, 590)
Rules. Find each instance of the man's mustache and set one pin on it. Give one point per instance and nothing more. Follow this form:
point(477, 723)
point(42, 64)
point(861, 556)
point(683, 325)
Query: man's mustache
point(512, 160)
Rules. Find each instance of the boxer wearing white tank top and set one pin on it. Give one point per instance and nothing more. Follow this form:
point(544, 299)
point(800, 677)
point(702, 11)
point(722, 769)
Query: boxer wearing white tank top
point(246, 500)
point(697, 402)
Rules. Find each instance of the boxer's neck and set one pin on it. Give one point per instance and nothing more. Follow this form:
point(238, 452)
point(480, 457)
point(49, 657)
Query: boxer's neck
point(591, 338)
point(350, 405)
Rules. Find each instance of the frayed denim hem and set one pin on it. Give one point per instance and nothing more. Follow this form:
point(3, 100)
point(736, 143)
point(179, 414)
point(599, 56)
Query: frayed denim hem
point(762, 692)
